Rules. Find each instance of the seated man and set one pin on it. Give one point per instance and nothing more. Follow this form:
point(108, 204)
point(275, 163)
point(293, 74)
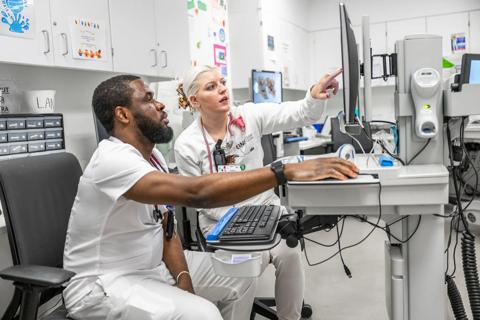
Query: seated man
point(126, 267)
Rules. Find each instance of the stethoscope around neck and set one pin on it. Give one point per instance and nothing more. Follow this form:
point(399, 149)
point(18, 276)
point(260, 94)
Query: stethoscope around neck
point(219, 157)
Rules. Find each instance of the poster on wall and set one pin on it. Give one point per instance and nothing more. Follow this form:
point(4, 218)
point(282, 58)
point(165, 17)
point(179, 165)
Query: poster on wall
point(17, 18)
point(209, 33)
point(458, 42)
point(220, 58)
point(89, 39)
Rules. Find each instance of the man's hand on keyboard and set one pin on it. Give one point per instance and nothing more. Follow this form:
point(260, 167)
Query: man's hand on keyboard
point(321, 168)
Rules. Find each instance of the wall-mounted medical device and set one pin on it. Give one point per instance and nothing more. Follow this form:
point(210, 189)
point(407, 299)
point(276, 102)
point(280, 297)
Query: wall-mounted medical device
point(426, 92)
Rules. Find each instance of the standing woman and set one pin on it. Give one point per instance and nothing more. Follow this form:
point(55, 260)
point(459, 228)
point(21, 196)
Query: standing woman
point(238, 131)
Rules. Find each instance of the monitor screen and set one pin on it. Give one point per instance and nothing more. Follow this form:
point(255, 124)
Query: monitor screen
point(470, 72)
point(474, 72)
point(266, 86)
point(350, 67)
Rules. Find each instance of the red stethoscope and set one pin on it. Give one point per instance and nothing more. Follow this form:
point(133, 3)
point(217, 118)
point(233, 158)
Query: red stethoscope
point(237, 122)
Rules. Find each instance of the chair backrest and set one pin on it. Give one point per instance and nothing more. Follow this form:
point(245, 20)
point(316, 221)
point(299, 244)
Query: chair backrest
point(37, 195)
point(269, 150)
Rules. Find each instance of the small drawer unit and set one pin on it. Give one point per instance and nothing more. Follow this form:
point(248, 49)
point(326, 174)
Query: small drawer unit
point(16, 148)
point(4, 149)
point(36, 146)
point(53, 122)
point(16, 124)
point(34, 123)
point(36, 135)
point(15, 136)
point(24, 134)
point(54, 133)
point(54, 144)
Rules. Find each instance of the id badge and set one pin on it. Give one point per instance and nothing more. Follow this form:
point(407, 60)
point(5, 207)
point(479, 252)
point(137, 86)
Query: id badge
point(231, 168)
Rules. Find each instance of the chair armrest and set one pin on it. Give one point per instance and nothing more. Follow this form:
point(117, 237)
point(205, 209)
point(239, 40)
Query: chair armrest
point(35, 275)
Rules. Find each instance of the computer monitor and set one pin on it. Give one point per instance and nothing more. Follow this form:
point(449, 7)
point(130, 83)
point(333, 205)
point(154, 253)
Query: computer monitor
point(351, 74)
point(266, 86)
point(471, 68)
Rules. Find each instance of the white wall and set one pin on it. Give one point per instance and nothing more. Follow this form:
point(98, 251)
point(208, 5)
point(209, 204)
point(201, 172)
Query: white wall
point(73, 99)
point(74, 89)
point(324, 14)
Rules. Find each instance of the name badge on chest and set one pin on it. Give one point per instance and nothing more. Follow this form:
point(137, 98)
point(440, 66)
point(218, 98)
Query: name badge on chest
point(231, 168)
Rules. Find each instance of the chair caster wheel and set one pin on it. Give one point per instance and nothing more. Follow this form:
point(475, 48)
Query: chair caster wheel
point(307, 311)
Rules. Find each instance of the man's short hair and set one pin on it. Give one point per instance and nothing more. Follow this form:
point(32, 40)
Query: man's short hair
point(110, 94)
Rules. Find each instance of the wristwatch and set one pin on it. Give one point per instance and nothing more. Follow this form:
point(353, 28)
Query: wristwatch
point(277, 168)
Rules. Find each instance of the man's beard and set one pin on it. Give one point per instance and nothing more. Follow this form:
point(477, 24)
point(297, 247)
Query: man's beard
point(154, 132)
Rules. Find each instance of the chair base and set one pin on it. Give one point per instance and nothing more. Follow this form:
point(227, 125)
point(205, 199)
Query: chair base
point(262, 306)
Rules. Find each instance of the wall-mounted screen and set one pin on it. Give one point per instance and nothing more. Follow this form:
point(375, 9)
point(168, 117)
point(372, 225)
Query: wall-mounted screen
point(266, 86)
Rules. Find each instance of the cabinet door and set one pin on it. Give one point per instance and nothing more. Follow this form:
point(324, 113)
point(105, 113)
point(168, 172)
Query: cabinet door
point(29, 45)
point(81, 34)
point(474, 46)
point(446, 26)
point(133, 37)
point(173, 38)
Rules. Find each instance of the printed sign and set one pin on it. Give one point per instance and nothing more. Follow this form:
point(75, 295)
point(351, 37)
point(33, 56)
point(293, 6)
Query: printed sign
point(88, 39)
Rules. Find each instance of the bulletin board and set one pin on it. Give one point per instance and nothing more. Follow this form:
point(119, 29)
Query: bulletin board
point(208, 29)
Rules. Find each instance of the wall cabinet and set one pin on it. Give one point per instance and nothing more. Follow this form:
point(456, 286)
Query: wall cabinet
point(50, 43)
point(36, 48)
point(94, 11)
point(134, 38)
point(150, 39)
point(173, 41)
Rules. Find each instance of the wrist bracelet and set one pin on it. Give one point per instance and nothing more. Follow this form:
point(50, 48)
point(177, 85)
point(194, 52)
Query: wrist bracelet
point(181, 273)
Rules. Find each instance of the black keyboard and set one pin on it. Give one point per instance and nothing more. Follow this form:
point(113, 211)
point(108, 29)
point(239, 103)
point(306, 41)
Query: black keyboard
point(249, 224)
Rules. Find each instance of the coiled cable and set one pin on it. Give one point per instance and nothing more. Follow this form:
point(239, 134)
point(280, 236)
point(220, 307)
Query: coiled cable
point(471, 273)
point(455, 299)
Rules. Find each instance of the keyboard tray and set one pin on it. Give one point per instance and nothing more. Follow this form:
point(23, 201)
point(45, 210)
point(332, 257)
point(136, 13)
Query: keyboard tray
point(246, 225)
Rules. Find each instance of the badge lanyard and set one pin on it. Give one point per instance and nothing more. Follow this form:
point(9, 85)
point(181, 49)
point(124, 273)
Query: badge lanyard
point(157, 214)
point(231, 121)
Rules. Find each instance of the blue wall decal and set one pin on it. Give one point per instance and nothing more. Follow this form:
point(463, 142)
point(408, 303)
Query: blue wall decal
point(11, 15)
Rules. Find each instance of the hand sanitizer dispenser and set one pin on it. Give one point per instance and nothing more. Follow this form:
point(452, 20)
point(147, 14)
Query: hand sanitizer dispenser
point(425, 89)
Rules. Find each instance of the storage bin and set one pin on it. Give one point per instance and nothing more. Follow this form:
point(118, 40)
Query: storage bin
point(237, 264)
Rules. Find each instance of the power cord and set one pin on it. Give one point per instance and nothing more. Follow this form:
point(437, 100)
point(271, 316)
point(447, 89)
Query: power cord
point(352, 245)
point(345, 268)
point(419, 151)
point(384, 148)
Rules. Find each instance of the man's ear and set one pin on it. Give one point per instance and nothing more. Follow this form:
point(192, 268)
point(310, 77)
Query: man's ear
point(122, 114)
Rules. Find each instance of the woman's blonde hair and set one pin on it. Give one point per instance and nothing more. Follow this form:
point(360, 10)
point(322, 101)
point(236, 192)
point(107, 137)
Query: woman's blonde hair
point(190, 86)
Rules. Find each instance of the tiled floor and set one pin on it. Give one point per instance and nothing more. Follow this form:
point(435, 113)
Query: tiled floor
point(333, 295)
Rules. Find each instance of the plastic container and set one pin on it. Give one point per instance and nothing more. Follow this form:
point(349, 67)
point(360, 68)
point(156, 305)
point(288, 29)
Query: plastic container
point(237, 264)
point(39, 101)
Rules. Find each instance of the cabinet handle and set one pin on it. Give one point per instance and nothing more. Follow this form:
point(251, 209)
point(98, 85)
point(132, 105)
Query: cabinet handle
point(154, 54)
point(165, 60)
point(46, 40)
point(65, 42)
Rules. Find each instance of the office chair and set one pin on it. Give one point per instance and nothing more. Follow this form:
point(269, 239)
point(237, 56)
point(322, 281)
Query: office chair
point(263, 305)
point(37, 194)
